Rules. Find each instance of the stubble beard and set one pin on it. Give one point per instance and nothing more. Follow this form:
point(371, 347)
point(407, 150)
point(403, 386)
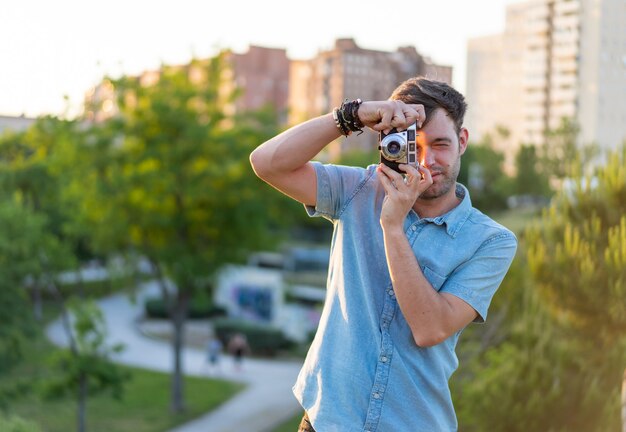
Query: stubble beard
point(446, 181)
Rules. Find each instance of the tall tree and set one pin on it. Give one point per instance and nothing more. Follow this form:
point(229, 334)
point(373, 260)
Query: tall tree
point(40, 237)
point(562, 148)
point(86, 368)
point(578, 260)
point(174, 183)
point(561, 364)
point(483, 173)
point(531, 177)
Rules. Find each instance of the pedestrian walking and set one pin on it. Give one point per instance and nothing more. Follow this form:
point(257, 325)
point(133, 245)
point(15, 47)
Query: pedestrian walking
point(238, 347)
point(214, 353)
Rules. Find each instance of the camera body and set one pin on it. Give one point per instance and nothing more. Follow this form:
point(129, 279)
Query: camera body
point(398, 147)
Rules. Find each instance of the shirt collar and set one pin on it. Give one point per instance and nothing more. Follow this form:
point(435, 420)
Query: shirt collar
point(455, 218)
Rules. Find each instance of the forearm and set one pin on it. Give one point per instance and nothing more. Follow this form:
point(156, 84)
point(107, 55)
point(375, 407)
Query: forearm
point(425, 310)
point(293, 148)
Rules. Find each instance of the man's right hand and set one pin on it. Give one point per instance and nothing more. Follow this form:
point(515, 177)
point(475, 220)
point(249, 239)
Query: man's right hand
point(385, 115)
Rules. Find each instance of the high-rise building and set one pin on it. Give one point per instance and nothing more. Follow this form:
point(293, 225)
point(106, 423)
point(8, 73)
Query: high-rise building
point(556, 59)
point(348, 72)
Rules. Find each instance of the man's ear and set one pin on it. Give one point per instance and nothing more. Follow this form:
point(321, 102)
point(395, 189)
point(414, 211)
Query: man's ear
point(463, 140)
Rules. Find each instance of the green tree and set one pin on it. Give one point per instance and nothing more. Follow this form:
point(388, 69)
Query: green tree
point(558, 359)
point(86, 368)
point(172, 182)
point(483, 173)
point(20, 237)
point(41, 238)
point(530, 176)
point(34, 173)
point(562, 148)
point(577, 257)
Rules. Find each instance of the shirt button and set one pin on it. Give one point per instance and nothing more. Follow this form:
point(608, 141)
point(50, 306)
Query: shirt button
point(414, 228)
point(376, 395)
point(383, 359)
point(390, 292)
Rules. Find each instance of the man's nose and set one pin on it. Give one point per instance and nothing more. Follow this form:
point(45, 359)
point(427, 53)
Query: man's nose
point(427, 157)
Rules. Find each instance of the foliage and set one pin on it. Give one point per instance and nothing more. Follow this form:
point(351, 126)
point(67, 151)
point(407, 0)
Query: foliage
point(531, 175)
point(172, 178)
point(562, 149)
point(483, 174)
point(86, 368)
point(20, 234)
point(557, 361)
point(171, 181)
point(199, 307)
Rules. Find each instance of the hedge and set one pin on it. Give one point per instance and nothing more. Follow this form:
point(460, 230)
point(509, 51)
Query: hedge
point(199, 308)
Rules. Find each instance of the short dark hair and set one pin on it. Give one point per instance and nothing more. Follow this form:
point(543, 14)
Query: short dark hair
point(433, 95)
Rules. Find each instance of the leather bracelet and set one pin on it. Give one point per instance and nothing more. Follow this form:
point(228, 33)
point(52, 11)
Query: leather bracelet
point(346, 117)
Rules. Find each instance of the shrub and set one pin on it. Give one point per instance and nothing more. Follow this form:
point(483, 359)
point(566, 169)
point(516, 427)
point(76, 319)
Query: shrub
point(199, 308)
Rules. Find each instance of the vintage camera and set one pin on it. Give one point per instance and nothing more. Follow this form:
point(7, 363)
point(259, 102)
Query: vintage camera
point(398, 147)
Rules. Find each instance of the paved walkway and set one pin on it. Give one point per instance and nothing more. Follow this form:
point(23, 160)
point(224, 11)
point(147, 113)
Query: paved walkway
point(266, 402)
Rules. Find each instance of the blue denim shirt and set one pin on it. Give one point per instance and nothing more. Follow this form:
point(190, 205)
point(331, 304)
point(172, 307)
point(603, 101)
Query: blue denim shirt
point(364, 371)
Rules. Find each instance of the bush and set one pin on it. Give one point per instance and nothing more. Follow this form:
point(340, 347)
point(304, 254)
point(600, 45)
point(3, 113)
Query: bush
point(263, 340)
point(199, 308)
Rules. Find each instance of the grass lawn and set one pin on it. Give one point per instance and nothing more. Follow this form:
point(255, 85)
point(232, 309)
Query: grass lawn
point(290, 425)
point(143, 408)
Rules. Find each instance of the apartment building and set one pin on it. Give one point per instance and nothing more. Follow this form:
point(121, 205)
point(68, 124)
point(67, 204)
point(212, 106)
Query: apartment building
point(348, 71)
point(262, 75)
point(555, 59)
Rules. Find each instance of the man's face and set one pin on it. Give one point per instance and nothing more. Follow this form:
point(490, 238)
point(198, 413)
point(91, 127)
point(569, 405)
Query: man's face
point(439, 150)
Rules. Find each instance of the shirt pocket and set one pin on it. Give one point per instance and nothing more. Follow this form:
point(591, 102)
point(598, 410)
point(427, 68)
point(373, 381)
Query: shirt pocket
point(435, 279)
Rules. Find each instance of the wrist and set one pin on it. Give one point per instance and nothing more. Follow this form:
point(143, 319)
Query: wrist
point(346, 117)
point(392, 228)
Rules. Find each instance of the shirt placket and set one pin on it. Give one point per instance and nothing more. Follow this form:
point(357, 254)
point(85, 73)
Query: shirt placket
point(381, 377)
point(383, 365)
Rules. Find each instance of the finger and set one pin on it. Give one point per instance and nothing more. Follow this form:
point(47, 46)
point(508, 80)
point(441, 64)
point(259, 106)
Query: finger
point(388, 183)
point(399, 120)
point(412, 175)
point(416, 113)
point(409, 169)
point(425, 172)
point(385, 113)
point(392, 174)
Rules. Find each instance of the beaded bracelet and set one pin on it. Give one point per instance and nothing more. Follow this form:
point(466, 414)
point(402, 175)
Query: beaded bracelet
point(346, 117)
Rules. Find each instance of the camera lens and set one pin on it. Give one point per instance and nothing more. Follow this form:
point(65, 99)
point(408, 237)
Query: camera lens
point(394, 147)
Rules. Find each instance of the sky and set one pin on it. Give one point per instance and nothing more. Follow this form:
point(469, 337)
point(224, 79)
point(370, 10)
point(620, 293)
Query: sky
point(52, 52)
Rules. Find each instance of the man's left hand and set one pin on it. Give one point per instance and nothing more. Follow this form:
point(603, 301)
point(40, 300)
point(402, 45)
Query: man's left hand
point(402, 192)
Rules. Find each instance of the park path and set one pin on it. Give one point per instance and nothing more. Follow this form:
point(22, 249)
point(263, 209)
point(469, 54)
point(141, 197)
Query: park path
point(266, 402)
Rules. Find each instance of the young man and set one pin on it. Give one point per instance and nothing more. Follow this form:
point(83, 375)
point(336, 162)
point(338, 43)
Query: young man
point(412, 263)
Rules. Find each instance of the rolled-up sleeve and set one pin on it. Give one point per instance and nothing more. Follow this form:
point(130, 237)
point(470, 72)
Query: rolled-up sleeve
point(336, 185)
point(477, 280)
